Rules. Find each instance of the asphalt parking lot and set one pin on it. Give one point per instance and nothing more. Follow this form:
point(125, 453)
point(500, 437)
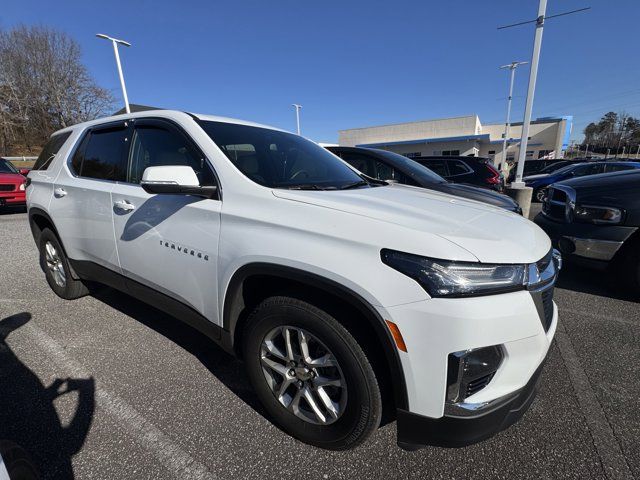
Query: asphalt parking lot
point(107, 387)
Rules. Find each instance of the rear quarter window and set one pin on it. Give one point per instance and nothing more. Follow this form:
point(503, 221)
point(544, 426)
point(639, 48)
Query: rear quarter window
point(50, 150)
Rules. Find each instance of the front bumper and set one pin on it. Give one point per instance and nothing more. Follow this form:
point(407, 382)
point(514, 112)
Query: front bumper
point(415, 431)
point(434, 328)
point(13, 198)
point(592, 244)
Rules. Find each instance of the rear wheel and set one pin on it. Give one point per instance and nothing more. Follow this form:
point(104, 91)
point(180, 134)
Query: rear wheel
point(310, 374)
point(56, 268)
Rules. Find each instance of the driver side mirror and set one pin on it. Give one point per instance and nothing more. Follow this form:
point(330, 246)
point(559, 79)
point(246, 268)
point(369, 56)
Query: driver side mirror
point(24, 171)
point(175, 179)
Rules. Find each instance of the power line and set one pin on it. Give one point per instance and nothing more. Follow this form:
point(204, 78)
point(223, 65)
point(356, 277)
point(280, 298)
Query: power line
point(545, 18)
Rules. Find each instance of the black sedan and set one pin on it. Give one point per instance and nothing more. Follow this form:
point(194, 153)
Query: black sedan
point(389, 166)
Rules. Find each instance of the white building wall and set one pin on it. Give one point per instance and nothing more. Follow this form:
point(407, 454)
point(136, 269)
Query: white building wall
point(447, 127)
point(545, 136)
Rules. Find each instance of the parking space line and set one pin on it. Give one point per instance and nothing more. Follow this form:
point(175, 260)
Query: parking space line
point(167, 452)
point(613, 460)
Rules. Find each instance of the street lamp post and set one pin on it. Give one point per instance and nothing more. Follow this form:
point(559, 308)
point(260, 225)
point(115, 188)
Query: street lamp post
point(297, 107)
point(512, 67)
point(533, 74)
point(115, 42)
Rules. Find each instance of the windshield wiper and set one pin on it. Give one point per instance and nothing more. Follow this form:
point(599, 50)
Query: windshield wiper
point(305, 186)
point(359, 183)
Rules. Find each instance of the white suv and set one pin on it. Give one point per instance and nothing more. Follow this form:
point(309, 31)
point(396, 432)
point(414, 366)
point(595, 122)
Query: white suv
point(352, 302)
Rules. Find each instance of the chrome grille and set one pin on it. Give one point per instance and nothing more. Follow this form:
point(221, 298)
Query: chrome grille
point(545, 273)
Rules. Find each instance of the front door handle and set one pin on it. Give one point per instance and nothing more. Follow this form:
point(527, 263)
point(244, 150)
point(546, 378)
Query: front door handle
point(59, 192)
point(124, 205)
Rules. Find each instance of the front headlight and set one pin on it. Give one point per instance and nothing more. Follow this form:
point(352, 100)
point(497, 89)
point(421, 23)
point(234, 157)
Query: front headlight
point(597, 214)
point(22, 187)
point(444, 278)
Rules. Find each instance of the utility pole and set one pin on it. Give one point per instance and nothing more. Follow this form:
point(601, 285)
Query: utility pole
point(512, 67)
point(533, 75)
point(297, 107)
point(115, 42)
point(586, 152)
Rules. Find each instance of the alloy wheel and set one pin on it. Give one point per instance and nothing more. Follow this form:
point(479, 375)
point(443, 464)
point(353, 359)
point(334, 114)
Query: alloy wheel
point(54, 264)
point(304, 375)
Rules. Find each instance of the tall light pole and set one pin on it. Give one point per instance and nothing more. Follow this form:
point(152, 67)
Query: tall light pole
point(533, 74)
point(512, 67)
point(297, 107)
point(115, 42)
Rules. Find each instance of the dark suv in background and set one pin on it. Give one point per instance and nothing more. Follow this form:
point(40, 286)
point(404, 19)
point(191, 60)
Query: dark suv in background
point(595, 221)
point(389, 166)
point(477, 171)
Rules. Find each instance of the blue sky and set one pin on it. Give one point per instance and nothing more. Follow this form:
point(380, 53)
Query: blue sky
point(354, 63)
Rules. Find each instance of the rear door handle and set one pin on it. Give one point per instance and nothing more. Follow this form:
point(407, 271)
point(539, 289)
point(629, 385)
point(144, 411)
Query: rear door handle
point(59, 192)
point(124, 205)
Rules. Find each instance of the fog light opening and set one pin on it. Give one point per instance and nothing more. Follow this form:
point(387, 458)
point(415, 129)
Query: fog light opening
point(469, 371)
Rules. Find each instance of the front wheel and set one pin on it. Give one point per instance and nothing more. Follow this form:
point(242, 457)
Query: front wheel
point(310, 374)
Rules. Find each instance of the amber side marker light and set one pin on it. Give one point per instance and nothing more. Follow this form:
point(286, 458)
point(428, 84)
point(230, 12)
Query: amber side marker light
point(397, 336)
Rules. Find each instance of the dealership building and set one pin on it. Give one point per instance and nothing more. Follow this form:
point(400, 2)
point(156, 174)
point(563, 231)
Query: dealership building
point(549, 138)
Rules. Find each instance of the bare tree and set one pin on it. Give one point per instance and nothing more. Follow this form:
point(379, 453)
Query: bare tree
point(43, 87)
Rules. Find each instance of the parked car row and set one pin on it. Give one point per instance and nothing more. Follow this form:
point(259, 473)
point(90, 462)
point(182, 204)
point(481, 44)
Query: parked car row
point(424, 172)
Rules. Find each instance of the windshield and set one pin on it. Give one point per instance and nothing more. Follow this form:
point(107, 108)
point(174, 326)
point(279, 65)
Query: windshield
point(7, 167)
point(278, 159)
point(411, 167)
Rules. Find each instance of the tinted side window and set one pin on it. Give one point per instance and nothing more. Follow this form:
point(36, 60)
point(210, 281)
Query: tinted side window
point(104, 155)
point(584, 170)
point(437, 166)
point(361, 163)
point(155, 146)
point(618, 167)
point(457, 167)
point(50, 150)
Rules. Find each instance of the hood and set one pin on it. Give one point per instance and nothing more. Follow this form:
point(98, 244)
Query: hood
point(11, 178)
point(480, 195)
point(491, 234)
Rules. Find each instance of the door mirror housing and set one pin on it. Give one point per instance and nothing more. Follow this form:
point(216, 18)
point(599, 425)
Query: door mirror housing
point(24, 171)
point(175, 179)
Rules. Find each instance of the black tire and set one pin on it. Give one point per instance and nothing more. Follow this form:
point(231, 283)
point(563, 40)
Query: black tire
point(363, 408)
point(70, 288)
point(539, 194)
point(17, 462)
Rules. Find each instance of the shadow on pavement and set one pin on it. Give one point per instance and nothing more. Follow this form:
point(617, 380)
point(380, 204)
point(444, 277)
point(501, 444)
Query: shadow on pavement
point(585, 280)
point(28, 417)
point(223, 366)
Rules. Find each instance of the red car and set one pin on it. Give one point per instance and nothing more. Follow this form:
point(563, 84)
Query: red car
point(12, 184)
